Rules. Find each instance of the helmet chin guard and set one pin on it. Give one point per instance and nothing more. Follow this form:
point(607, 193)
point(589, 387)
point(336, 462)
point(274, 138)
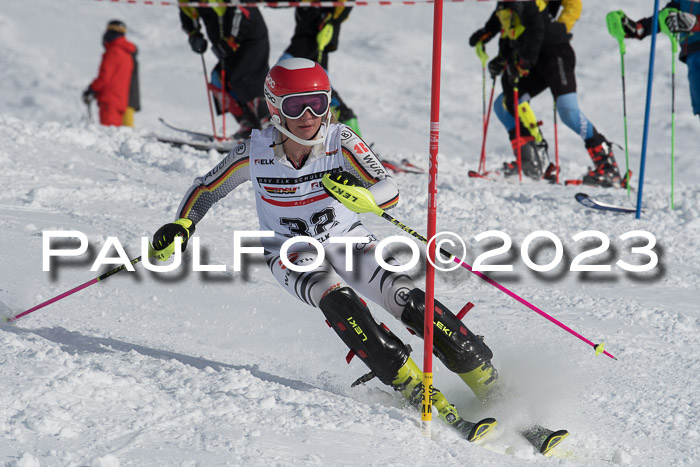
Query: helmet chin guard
point(279, 123)
point(296, 76)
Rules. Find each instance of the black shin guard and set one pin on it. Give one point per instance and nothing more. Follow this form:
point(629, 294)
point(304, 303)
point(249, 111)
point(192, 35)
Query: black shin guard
point(376, 345)
point(456, 346)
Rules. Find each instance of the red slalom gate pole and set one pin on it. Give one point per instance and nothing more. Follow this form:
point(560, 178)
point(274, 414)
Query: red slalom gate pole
point(211, 110)
point(482, 161)
point(556, 143)
point(427, 406)
point(223, 101)
point(516, 100)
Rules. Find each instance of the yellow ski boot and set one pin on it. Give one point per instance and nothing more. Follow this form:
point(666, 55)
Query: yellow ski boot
point(408, 382)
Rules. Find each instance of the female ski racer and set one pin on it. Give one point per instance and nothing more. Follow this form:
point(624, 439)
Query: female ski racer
point(286, 163)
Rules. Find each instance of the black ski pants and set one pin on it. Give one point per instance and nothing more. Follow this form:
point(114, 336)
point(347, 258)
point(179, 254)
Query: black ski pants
point(555, 69)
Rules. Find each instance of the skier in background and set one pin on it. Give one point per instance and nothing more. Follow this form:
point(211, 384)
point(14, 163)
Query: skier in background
point(535, 52)
point(316, 34)
point(116, 87)
point(239, 39)
point(685, 21)
point(286, 163)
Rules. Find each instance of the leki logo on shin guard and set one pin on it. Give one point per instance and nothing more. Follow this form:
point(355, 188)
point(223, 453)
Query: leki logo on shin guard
point(442, 327)
point(357, 328)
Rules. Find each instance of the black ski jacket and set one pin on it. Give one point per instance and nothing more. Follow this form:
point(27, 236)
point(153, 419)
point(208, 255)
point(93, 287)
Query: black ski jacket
point(227, 27)
point(309, 22)
point(526, 27)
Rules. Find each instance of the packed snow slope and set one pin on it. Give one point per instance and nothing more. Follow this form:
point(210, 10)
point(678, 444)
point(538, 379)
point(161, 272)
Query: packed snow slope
point(223, 368)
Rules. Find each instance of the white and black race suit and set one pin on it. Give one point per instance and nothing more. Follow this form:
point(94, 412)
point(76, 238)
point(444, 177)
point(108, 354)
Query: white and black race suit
point(291, 202)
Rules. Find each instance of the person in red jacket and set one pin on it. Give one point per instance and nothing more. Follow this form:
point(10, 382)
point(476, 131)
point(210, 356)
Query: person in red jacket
point(115, 88)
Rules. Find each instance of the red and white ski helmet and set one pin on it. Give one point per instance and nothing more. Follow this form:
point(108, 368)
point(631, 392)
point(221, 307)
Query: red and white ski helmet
point(294, 76)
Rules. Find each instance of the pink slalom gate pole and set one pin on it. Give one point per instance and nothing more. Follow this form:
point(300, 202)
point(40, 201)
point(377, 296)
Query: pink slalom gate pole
point(72, 291)
point(427, 406)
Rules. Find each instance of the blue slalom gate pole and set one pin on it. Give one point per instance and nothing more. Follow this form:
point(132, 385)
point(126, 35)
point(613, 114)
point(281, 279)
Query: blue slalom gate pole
point(654, 29)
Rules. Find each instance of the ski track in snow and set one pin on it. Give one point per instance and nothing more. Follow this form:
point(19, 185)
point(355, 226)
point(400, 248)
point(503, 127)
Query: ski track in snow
point(225, 369)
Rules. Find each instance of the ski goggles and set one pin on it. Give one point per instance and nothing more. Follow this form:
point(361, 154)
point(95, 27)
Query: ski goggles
point(294, 105)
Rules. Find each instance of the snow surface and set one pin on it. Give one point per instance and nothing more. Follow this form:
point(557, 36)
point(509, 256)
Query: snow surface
point(225, 368)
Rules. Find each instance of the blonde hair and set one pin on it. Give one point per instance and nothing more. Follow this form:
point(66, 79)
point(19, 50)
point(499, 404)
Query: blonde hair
point(334, 118)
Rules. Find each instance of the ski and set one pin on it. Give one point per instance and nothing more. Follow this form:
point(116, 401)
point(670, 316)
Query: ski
point(408, 166)
point(194, 134)
point(402, 167)
point(474, 431)
point(220, 146)
point(485, 175)
point(405, 166)
point(544, 439)
point(589, 202)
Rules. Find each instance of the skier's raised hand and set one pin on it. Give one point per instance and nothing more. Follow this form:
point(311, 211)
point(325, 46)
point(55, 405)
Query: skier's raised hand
point(164, 239)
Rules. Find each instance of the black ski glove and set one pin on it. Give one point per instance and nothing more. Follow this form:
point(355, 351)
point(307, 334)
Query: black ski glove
point(496, 66)
point(198, 43)
point(633, 29)
point(346, 178)
point(517, 70)
point(164, 238)
point(481, 35)
point(225, 47)
point(679, 21)
point(343, 178)
point(88, 95)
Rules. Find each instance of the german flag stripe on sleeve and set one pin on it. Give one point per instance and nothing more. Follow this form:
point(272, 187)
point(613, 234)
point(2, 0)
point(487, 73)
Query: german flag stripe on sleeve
point(213, 185)
point(391, 203)
point(350, 156)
